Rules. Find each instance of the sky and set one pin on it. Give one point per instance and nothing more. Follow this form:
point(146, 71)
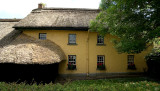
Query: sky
point(21, 8)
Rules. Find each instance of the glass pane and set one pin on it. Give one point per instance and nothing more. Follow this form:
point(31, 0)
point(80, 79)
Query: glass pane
point(100, 39)
point(100, 59)
point(72, 59)
point(72, 38)
point(130, 58)
point(42, 36)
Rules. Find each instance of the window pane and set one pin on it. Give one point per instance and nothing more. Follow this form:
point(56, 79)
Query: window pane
point(100, 62)
point(100, 39)
point(72, 59)
point(100, 59)
point(72, 38)
point(130, 58)
point(42, 36)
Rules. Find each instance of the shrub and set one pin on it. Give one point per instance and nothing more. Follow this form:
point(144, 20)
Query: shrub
point(153, 63)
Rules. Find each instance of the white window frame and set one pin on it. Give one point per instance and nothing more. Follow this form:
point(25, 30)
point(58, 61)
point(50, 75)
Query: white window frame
point(130, 59)
point(101, 59)
point(72, 59)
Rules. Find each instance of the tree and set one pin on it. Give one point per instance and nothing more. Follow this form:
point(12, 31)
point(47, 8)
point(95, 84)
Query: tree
point(136, 23)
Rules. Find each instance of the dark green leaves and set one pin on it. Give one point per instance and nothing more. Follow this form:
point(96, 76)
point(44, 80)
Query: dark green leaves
point(134, 22)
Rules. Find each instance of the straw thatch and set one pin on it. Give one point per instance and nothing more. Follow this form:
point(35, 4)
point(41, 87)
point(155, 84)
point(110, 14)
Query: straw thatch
point(58, 17)
point(28, 50)
point(7, 33)
point(16, 47)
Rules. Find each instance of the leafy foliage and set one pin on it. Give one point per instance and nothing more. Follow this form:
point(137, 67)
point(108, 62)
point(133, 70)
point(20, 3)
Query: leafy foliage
point(155, 51)
point(134, 22)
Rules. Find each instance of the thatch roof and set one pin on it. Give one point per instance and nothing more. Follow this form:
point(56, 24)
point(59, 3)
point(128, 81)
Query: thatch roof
point(58, 18)
point(7, 33)
point(28, 50)
point(16, 47)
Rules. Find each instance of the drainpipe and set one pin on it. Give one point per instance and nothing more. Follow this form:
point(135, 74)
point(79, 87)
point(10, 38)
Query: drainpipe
point(88, 54)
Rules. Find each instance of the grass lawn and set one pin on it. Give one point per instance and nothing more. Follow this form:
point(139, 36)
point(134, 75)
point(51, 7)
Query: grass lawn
point(116, 84)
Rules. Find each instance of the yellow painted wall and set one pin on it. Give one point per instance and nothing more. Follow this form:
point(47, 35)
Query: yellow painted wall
point(85, 50)
point(60, 37)
point(114, 62)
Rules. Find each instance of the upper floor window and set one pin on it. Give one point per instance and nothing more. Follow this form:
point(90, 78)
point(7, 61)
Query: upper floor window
point(131, 64)
point(100, 39)
point(100, 62)
point(71, 62)
point(42, 36)
point(72, 39)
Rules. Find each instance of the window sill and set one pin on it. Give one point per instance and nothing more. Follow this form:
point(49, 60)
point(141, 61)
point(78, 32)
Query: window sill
point(131, 68)
point(101, 69)
point(101, 44)
point(42, 39)
point(72, 69)
point(72, 44)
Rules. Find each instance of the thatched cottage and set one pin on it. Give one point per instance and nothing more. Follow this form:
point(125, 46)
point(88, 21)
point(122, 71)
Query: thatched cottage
point(61, 36)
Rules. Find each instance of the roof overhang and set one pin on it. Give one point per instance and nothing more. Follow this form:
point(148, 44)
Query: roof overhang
point(10, 20)
point(52, 28)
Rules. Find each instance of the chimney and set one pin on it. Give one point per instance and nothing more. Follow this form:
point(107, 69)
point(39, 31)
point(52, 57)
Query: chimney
point(40, 6)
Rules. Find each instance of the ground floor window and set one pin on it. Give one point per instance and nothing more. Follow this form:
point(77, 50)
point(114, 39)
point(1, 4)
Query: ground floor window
point(131, 64)
point(71, 62)
point(100, 62)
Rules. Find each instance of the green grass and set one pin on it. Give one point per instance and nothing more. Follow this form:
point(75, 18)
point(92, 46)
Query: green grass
point(116, 84)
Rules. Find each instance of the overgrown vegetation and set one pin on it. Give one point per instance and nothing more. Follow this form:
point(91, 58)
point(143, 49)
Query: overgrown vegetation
point(134, 22)
point(117, 84)
point(153, 60)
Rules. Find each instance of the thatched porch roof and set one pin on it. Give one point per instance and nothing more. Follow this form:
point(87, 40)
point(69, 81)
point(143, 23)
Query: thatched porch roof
point(28, 50)
point(16, 47)
point(58, 18)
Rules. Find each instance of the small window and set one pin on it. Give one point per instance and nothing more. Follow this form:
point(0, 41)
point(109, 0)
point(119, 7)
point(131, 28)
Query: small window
point(71, 62)
point(100, 39)
point(131, 64)
point(72, 39)
point(42, 36)
point(100, 62)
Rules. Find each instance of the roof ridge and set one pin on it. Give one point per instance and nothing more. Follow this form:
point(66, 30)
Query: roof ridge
point(77, 9)
point(59, 8)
